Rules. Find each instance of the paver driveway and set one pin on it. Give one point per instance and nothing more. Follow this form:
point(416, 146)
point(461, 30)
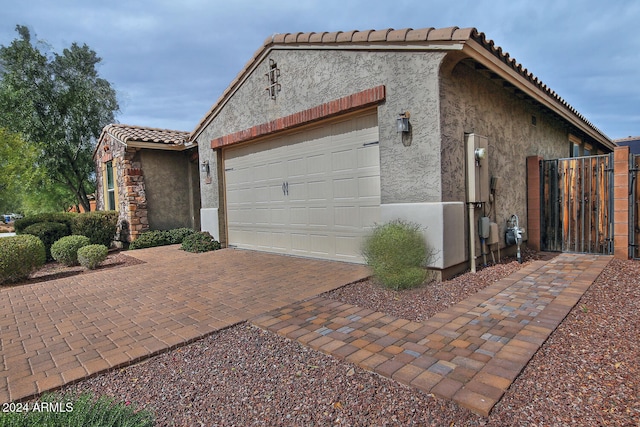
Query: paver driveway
point(56, 332)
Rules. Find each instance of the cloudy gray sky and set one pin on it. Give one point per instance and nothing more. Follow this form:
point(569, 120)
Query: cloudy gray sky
point(170, 60)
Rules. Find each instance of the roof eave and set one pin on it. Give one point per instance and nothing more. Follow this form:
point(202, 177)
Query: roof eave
point(482, 55)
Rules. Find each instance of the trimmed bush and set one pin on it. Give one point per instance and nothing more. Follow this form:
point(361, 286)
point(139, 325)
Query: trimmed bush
point(91, 256)
point(200, 241)
point(66, 218)
point(19, 257)
point(177, 235)
point(79, 411)
point(397, 253)
point(65, 250)
point(150, 239)
point(100, 226)
point(49, 233)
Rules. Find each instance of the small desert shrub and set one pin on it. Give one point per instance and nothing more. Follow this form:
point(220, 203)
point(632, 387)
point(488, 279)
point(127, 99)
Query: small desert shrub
point(19, 257)
point(78, 411)
point(65, 250)
point(100, 226)
point(177, 235)
point(91, 256)
point(397, 253)
point(49, 233)
point(201, 241)
point(150, 239)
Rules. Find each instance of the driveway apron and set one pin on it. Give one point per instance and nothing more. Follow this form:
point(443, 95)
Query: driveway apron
point(61, 331)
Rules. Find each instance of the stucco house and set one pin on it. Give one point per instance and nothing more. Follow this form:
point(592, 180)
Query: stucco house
point(633, 142)
point(150, 176)
point(322, 135)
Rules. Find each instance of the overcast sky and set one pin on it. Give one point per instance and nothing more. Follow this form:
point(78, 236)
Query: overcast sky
point(170, 60)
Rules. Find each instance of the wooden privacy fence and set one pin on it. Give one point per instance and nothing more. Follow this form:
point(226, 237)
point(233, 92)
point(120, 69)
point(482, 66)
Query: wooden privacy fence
point(577, 204)
point(585, 204)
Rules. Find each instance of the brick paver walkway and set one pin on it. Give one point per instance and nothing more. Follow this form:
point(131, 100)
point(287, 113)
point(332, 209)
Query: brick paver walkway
point(470, 353)
point(60, 331)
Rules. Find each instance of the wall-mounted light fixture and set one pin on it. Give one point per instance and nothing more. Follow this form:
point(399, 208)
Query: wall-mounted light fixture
point(204, 167)
point(403, 122)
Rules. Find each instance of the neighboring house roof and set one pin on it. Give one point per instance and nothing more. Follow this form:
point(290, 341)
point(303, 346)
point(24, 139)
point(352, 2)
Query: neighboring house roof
point(633, 142)
point(468, 40)
point(144, 137)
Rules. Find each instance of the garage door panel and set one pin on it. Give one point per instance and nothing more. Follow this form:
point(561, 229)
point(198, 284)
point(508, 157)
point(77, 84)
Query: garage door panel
point(369, 216)
point(369, 187)
point(348, 247)
point(343, 160)
point(333, 197)
point(346, 216)
point(345, 188)
point(319, 217)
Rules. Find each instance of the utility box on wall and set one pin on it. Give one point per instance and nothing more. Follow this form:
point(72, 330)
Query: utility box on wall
point(477, 161)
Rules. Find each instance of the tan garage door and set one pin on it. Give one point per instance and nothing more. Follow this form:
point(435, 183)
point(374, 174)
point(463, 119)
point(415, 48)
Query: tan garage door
point(314, 193)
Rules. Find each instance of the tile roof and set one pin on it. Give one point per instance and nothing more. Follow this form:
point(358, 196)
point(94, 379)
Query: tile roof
point(372, 38)
point(127, 134)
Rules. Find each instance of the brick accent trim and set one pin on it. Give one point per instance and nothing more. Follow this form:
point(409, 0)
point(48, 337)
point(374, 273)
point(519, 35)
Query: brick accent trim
point(533, 203)
point(621, 202)
point(356, 101)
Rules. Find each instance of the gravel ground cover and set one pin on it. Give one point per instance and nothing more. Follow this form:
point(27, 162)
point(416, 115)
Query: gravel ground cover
point(586, 374)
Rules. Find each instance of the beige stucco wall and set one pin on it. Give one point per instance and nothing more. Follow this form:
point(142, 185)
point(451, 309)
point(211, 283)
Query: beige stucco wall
point(169, 189)
point(312, 77)
point(473, 103)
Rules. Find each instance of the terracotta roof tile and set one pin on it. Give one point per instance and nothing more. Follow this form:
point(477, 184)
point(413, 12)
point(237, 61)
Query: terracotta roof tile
point(380, 35)
point(454, 35)
point(316, 37)
point(361, 36)
point(397, 35)
point(330, 37)
point(441, 34)
point(304, 37)
point(345, 37)
point(128, 134)
point(291, 38)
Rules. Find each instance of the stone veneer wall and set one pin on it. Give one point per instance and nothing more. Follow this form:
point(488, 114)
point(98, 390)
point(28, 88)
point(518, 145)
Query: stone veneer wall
point(132, 200)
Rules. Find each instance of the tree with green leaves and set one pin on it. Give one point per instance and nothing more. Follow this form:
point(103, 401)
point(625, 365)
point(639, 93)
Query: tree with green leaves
point(59, 104)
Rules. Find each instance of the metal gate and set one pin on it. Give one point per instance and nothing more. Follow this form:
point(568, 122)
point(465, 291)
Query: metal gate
point(577, 204)
point(634, 202)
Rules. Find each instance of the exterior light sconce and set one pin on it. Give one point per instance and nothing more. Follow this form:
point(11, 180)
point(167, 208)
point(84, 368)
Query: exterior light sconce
point(403, 124)
point(204, 167)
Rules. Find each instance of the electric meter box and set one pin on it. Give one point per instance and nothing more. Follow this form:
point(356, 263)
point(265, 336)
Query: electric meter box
point(477, 162)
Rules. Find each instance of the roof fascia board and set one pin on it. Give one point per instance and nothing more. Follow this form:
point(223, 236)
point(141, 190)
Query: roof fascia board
point(477, 52)
point(155, 146)
point(228, 94)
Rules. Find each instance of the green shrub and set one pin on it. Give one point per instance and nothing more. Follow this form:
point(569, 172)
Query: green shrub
point(49, 233)
point(150, 239)
point(65, 250)
point(66, 218)
point(100, 226)
point(78, 411)
point(200, 241)
point(19, 257)
point(397, 253)
point(91, 256)
point(177, 235)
